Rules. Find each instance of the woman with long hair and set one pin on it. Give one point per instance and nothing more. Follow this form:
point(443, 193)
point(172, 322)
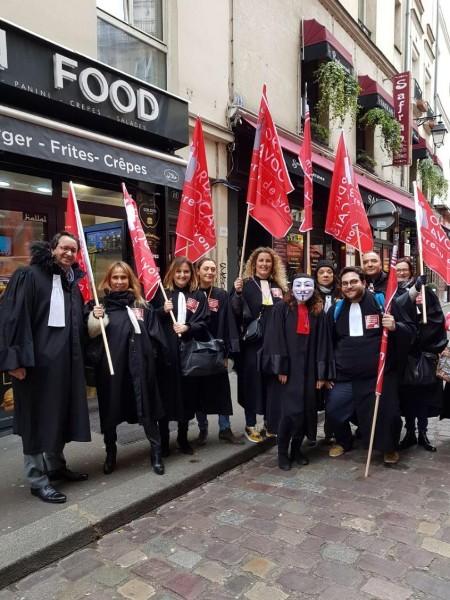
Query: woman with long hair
point(190, 309)
point(292, 355)
point(213, 392)
point(252, 299)
point(326, 283)
point(134, 335)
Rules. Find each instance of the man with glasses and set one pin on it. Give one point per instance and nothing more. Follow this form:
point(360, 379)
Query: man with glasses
point(356, 323)
point(41, 337)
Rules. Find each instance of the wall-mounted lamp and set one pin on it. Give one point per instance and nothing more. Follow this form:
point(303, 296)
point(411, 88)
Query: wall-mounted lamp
point(438, 130)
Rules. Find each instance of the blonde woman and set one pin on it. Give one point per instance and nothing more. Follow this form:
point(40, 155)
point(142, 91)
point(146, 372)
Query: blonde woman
point(252, 299)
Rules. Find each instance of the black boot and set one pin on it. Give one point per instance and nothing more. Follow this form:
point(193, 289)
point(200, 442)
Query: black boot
point(182, 439)
point(165, 438)
point(409, 440)
point(156, 458)
point(283, 452)
point(110, 461)
point(296, 452)
point(425, 442)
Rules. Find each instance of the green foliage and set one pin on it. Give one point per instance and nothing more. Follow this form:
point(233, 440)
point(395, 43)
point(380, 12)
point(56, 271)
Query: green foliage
point(338, 91)
point(366, 161)
point(320, 133)
point(390, 129)
point(433, 181)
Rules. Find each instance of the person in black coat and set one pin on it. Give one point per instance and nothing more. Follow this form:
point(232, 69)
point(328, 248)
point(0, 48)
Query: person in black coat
point(376, 278)
point(133, 333)
point(190, 309)
point(42, 335)
point(326, 283)
point(252, 298)
point(291, 354)
point(417, 400)
point(213, 393)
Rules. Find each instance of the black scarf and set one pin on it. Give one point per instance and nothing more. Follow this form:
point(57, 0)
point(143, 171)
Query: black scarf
point(119, 300)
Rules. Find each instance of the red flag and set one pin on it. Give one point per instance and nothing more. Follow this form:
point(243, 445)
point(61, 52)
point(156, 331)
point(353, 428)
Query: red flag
point(73, 225)
point(196, 234)
point(146, 268)
point(391, 289)
point(304, 156)
point(433, 239)
point(346, 212)
point(269, 183)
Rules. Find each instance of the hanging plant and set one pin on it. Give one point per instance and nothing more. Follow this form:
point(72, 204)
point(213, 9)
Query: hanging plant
point(391, 138)
point(320, 133)
point(338, 91)
point(366, 161)
point(433, 181)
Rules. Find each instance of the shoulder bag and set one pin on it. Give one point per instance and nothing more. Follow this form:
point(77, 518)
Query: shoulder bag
point(200, 359)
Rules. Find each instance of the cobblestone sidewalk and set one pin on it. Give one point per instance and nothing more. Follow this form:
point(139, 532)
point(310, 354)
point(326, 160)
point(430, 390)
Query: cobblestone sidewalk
point(257, 533)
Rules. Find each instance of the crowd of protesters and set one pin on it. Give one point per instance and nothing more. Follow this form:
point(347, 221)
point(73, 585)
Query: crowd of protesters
point(297, 346)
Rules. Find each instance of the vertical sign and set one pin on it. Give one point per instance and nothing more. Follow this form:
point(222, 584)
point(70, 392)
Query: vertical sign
point(402, 113)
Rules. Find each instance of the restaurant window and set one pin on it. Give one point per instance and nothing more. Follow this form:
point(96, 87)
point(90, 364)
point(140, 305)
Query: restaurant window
point(130, 38)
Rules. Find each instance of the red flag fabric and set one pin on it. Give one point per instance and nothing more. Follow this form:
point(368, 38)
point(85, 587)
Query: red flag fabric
point(434, 240)
point(146, 268)
point(73, 225)
point(269, 182)
point(305, 158)
point(196, 234)
point(346, 214)
point(391, 289)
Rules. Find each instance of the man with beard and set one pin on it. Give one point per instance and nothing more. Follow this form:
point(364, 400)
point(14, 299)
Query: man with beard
point(355, 325)
point(376, 278)
point(41, 335)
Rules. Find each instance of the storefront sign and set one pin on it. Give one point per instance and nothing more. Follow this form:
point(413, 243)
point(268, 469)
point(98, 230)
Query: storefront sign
point(319, 175)
point(402, 113)
point(37, 74)
point(51, 145)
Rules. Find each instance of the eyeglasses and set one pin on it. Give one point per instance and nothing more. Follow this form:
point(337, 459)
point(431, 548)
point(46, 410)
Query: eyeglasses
point(68, 249)
point(352, 283)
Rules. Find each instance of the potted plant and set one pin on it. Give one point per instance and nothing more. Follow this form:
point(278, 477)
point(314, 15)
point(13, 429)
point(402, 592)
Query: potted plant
point(366, 161)
point(432, 180)
point(338, 91)
point(391, 138)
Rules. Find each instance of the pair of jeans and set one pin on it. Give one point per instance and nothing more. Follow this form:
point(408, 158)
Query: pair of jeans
point(340, 407)
point(202, 420)
point(37, 467)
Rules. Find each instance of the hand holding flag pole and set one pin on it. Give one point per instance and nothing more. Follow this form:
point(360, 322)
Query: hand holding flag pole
point(87, 263)
point(419, 222)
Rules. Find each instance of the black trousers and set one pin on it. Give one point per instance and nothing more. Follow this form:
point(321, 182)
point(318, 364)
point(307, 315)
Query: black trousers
point(164, 431)
point(151, 431)
point(289, 428)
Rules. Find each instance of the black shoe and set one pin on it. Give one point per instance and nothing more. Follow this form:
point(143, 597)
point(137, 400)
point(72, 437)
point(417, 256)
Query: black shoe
point(226, 435)
point(67, 475)
point(425, 443)
point(408, 441)
point(156, 459)
point(185, 447)
point(110, 461)
point(296, 454)
point(202, 437)
point(283, 462)
point(49, 494)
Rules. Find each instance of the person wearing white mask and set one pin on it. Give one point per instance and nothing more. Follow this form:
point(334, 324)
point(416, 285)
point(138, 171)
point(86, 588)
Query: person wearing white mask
point(134, 336)
point(41, 337)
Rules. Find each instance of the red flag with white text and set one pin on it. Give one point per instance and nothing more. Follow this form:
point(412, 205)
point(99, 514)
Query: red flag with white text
point(346, 214)
point(391, 289)
point(269, 182)
point(147, 271)
point(435, 243)
point(73, 225)
point(196, 234)
point(305, 158)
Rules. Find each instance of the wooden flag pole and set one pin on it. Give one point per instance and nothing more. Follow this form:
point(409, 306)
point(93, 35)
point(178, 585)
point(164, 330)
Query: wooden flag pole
point(359, 245)
point(90, 275)
point(163, 291)
point(244, 242)
point(372, 433)
point(419, 243)
point(308, 252)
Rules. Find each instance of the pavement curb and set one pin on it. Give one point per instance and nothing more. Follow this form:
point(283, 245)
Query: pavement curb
point(51, 538)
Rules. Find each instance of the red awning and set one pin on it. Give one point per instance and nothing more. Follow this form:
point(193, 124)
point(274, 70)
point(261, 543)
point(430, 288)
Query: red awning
point(381, 190)
point(315, 33)
point(370, 86)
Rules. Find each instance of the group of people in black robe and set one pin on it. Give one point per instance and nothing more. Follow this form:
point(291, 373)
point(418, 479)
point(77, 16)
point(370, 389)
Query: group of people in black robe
point(297, 347)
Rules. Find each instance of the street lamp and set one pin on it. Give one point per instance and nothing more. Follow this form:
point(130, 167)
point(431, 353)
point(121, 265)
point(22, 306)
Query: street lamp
point(438, 130)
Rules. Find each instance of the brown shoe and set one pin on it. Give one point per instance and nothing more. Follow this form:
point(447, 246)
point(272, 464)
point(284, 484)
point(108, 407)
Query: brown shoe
point(335, 451)
point(391, 458)
point(227, 435)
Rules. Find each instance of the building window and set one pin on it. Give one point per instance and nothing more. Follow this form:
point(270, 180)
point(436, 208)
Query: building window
point(398, 26)
point(130, 38)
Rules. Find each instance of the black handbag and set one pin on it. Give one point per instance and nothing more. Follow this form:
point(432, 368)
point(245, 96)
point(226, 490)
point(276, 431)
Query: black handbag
point(254, 331)
point(200, 359)
point(421, 370)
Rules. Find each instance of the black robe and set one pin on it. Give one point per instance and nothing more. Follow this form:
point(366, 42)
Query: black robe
point(179, 404)
point(132, 393)
point(431, 337)
point(379, 283)
point(285, 352)
point(356, 360)
point(50, 403)
point(213, 394)
point(247, 306)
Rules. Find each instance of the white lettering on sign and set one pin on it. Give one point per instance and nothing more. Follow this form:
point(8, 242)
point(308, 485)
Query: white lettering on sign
point(3, 50)
point(141, 100)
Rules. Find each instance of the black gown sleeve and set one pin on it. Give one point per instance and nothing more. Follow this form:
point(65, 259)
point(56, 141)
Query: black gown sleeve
point(432, 335)
point(274, 356)
point(16, 332)
point(198, 321)
point(326, 369)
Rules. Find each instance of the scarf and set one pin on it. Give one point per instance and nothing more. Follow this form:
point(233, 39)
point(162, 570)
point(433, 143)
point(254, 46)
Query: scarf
point(302, 319)
point(355, 325)
point(123, 300)
point(405, 285)
point(56, 315)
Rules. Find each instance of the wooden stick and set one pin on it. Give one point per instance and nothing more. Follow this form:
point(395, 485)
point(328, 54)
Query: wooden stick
point(419, 243)
point(163, 291)
point(308, 252)
point(359, 245)
point(103, 330)
point(244, 242)
point(372, 433)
